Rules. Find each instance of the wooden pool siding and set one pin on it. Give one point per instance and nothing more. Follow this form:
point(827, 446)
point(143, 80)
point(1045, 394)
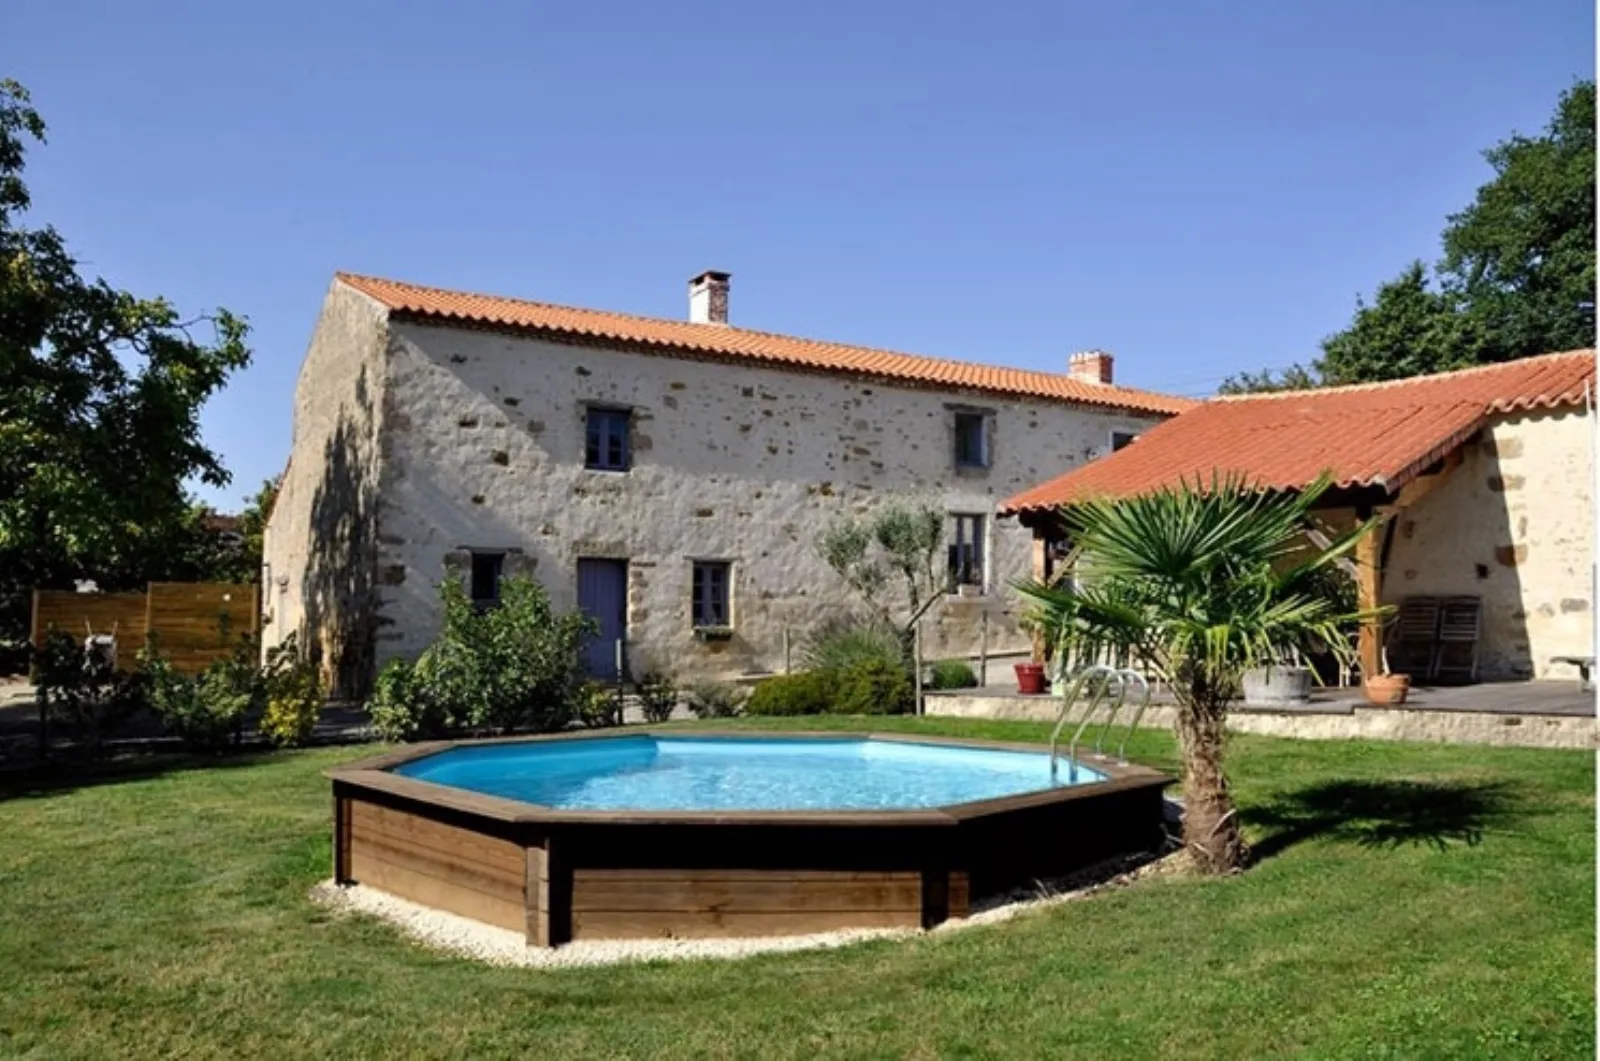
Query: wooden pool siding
point(557, 876)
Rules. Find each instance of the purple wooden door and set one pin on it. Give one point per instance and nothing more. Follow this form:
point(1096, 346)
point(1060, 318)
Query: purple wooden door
point(603, 593)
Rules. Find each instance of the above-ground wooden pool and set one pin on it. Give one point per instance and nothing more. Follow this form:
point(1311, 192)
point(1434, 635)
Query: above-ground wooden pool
point(592, 870)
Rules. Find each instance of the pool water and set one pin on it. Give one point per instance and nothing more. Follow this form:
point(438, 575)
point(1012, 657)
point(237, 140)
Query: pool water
point(743, 774)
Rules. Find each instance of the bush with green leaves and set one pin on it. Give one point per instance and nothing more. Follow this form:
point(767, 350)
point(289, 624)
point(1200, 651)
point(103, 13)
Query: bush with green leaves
point(514, 666)
point(80, 689)
point(871, 687)
point(802, 693)
point(951, 674)
point(398, 708)
point(598, 705)
point(715, 700)
point(658, 696)
point(207, 711)
point(839, 644)
point(293, 695)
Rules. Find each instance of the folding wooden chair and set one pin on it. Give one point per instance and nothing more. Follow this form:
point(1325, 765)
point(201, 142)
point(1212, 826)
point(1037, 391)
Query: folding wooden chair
point(1460, 623)
point(1414, 637)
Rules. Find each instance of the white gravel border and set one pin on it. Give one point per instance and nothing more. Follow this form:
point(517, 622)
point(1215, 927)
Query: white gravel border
point(467, 938)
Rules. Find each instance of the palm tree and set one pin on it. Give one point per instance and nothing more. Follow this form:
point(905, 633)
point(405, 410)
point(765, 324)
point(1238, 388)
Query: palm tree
point(1198, 584)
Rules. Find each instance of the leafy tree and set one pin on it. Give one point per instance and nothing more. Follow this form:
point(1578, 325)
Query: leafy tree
point(1410, 329)
point(1293, 378)
point(100, 395)
point(895, 545)
point(1517, 277)
point(1193, 583)
point(1521, 259)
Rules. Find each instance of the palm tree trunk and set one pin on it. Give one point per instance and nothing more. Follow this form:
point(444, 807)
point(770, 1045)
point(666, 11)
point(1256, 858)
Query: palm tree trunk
point(1210, 826)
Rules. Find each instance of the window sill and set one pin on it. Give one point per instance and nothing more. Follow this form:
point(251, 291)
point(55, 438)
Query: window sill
point(713, 633)
point(607, 471)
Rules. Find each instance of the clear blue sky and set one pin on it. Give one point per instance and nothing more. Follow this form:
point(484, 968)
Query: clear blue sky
point(1198, 187)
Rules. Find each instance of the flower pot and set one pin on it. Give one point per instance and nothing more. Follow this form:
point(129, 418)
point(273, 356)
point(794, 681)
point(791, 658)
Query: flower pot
point(1030, 678)
point(1386, 689)
point(1276, 686)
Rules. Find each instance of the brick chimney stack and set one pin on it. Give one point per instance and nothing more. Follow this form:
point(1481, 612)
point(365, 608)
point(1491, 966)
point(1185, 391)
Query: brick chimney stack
point(1090, 366)
point(708, 298)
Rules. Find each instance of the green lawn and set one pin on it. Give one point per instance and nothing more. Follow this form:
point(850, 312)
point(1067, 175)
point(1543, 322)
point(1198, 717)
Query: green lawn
point(1415, 901)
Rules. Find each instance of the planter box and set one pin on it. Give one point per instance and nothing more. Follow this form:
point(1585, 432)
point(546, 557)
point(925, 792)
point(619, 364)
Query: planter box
point(1275, 686)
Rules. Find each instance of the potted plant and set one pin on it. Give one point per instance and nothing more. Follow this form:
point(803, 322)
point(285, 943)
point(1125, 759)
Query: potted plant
point(1277, 684)
point(1030, 678)
point(713, 633)
point(1386, 689)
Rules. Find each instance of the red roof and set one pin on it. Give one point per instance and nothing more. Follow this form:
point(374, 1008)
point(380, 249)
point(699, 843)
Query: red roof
point(654, 335)
point(1372, 434)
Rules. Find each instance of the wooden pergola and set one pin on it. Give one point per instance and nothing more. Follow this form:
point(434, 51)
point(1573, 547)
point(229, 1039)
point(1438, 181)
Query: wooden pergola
point(1367, 566)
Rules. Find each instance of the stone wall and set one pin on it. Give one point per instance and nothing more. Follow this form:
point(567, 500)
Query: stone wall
point(320, 543)
point(483, 449)
point(1513, 524)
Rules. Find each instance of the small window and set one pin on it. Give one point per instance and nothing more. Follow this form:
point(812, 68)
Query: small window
point(485, 586)
point(711, 593)
point(966, 551)
point(972, 450)
point(1122, 440)
point(606, 440)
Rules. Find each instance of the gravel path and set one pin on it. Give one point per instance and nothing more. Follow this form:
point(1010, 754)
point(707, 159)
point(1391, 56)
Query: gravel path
point(498, 946)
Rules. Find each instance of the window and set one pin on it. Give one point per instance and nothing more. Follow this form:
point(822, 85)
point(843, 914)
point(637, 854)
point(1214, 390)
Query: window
point(966, 551)
point(1122, 440)
point(606, 440)
point(485, 585)
point(711, 593)
point(972, 449)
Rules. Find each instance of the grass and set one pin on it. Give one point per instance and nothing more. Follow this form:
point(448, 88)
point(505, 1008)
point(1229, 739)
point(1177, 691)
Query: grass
point(1415, 901)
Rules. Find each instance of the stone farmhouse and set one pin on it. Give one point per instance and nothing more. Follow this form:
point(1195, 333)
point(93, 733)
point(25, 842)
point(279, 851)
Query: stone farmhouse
point(672, 478)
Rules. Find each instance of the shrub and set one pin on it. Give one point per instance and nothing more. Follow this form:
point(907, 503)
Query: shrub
point(514, 666)
point(598, 705)
point(398, 708)
point(207, 711)
point(293, 695)
point(805, 693)
point(839, 644)
point(870, 688)
point(658, 696)
point(951, 674)
point(715, 700)
point(80, 688)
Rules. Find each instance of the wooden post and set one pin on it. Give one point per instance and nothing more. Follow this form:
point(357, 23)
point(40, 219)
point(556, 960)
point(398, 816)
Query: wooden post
point(1369, 592)
point(1041, 573)
point(916, 664)
point(983, 648)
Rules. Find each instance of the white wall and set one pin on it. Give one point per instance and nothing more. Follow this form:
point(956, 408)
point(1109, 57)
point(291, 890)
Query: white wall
point(1513, 524)
point(319, 543)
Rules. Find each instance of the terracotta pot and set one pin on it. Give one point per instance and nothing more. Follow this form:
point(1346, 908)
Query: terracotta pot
point(1386, 689)
point(1030, 678)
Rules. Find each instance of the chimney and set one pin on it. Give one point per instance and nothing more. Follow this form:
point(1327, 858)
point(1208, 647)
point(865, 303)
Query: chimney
point(708, 298)
point(1090, 366)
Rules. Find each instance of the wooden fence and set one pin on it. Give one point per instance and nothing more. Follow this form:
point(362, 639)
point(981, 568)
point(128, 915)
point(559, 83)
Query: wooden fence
point(192, 623)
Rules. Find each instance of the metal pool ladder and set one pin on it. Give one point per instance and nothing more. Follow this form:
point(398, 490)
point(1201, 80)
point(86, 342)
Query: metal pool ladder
point(1113, 682)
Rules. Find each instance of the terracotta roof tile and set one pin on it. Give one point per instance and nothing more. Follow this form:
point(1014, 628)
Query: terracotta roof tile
point(723, 341)
point(1376, 434)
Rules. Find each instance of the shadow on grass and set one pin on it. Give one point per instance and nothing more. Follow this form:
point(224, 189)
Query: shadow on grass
point(61, 776)
point(1382, 814)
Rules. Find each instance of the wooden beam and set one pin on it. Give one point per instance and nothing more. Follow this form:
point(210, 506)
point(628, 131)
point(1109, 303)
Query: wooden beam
point(1423, 485)
point(1041, 573)
point(1369, 593)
